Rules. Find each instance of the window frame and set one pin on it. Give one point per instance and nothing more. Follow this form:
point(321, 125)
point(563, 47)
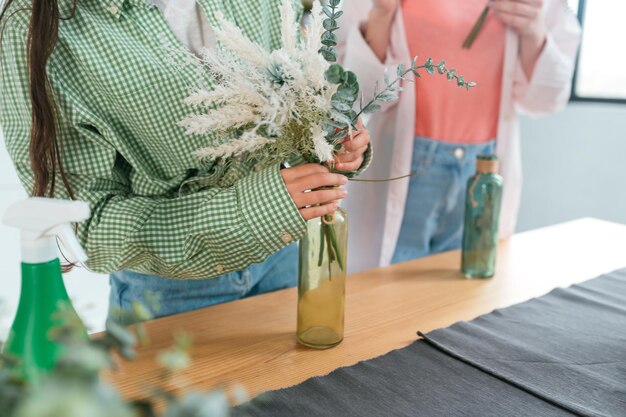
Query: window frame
point(574, 97)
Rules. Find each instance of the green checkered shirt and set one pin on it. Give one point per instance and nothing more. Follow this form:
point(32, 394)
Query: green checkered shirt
point(119, 94)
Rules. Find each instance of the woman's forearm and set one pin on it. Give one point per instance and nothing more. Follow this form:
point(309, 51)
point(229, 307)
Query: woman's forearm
point(378, 31)
point(530, 49)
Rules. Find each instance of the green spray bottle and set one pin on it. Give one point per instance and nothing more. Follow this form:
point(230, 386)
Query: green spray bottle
point(42, 221)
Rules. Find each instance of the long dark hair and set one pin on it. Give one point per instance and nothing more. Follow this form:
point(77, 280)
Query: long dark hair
point(45, 146)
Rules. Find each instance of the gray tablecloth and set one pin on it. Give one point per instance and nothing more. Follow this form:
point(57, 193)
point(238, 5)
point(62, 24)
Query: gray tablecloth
point(418, 380)
point(568, 347)
point(562, 354)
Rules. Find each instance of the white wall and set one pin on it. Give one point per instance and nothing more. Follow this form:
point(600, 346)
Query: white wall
point(87, 290)
point(574, 165)
point(574, 162)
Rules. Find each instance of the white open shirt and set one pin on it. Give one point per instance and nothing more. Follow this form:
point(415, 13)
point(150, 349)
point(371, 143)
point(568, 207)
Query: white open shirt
point(189, 23)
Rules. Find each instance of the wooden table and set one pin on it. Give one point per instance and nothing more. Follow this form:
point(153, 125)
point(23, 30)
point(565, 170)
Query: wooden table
point(252, 341)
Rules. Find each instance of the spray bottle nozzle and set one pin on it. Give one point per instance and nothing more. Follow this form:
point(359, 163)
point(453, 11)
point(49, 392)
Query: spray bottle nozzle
point(41, 221)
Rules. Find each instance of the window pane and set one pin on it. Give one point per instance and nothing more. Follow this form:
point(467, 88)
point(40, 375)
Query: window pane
point(602, 60)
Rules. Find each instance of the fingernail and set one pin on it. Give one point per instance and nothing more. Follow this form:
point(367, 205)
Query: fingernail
point(343, 193)
point(344, 180)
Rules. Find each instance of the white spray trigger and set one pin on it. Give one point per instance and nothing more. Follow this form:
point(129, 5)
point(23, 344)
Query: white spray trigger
point(74, 253)
point(41, 221)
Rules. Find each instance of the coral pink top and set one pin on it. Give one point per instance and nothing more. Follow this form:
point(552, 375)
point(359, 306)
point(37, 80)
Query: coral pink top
point(437, 29)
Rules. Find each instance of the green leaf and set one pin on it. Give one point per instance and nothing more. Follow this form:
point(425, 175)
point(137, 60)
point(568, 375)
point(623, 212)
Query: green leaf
point(122, 338)
point(174, 360)
point(386, 97)
point(460, 81)
point(346, 94)
point(334, 3)
point(329, 39)
point(414, 62)
point(430, 70)
point(337, 116)
point(371, 108)
point(399, 71)
point(328, 53)
point(335, 74)
point(330, 56)
point(471, 84)
point(330, 24)
point(441, 67)
point(335, 124)
point(340, 105)
point(352, 80)
point(451, 74)
point(338, 14)
point(328, 11)
point(141, 311)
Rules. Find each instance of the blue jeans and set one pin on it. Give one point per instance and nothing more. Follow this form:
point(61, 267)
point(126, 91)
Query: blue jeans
point(433, 215)
point(278, 271)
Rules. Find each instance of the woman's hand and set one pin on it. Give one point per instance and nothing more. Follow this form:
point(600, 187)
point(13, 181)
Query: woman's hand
point(526, 19)
point(523, 16)
point(351, 157)
point(302, 184)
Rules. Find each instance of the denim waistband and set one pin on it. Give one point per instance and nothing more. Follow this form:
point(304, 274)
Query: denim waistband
point(450, 151)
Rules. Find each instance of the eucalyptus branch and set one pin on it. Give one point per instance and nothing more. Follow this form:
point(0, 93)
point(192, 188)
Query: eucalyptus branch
point(389, 93)
point(329, 39)
point(412, 174)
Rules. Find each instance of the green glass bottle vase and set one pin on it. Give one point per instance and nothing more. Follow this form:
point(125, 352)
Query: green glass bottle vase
point(482, 213)
point(322, 281)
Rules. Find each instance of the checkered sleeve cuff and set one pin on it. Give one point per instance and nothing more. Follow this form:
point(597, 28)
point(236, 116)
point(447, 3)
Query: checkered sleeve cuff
point(269, 210)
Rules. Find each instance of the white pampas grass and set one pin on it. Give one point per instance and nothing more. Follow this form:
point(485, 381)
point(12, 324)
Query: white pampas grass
point(322, 148)
point(227, 116)
point(288, 32)
point(267, 106)
point(315, 29)
point(248, 142)
point(231, 38)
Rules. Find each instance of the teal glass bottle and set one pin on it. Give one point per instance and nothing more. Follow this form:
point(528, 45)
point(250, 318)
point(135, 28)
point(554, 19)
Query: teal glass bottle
point(482, 213)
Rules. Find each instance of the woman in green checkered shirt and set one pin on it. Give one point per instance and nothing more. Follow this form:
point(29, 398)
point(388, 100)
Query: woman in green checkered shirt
point(89, 106)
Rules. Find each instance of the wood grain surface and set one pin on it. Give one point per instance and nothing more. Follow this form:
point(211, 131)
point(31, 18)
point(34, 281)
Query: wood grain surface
point(252, 341)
